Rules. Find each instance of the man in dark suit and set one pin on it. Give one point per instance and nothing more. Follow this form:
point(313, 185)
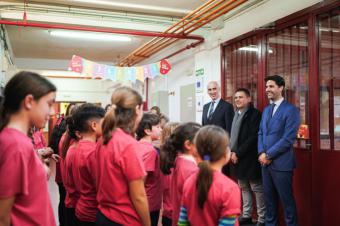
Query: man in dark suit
point(243, 143)
point(277, 133)
point(217, 112)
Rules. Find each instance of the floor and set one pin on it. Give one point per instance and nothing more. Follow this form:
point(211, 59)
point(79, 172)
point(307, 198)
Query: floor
point(54, 193)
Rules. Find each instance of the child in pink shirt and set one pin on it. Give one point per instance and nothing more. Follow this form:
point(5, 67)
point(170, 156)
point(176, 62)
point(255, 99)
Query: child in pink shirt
point(87, 124)
point(148, 131)
point(24, 199)
point(167, 130)
point(209, 197)
point(120, 171)
point(179, 153)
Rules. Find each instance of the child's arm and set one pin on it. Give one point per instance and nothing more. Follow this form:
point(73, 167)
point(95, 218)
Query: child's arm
point(227, 221)
point(139, 200)
point(183, 217)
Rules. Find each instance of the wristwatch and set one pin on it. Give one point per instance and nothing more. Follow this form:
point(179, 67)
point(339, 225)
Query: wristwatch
point(267, 157)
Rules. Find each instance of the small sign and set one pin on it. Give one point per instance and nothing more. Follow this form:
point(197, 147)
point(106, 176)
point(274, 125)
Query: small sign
point(200, 72)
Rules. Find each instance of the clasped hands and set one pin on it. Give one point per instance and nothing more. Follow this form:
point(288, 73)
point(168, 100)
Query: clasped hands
point(263, 160)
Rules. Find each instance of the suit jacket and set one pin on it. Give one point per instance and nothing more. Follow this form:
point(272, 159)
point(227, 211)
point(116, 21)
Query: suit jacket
point(222, 116)
point(277, 135)
point(248, 166)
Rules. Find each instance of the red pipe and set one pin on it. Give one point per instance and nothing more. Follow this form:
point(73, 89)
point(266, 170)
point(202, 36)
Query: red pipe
point(192, 45)
point(93, 29)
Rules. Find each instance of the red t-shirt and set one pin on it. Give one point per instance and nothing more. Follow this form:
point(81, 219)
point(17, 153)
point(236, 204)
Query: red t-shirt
point(38, 140)
point(84, 169)
point(153, 185)
point(24, 177)
point(117, 164)
point(185, 165)
point(224, 199)
point(72, 194)
point(167, 205)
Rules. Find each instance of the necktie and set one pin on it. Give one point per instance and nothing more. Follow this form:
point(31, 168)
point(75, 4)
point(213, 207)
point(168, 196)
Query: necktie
point(272, 106)
point(211, 111)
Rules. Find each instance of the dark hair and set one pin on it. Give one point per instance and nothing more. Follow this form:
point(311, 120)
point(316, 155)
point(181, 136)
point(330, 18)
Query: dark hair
point(84, 114)
point(69, 135)
point(147, 122)
point(277, 79)
point(60, 129)
point(107, 107)
point(175, 143)
point(123, 114)
point(69, 109)
point(163, 116)
point(244, 90)
point(211, 143)
point(22, 84)
point(157, 109)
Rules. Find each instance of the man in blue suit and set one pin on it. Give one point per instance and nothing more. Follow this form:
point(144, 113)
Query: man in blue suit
point(279, 125)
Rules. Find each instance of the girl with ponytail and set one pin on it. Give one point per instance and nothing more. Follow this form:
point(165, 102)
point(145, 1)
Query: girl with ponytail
point(24, 199)
point(121, 194)
point(178, 152)
point(209, 197)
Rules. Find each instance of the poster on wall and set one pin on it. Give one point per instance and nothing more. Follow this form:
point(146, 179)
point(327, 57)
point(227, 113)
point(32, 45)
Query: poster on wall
point(199, 85)
point(199, 103)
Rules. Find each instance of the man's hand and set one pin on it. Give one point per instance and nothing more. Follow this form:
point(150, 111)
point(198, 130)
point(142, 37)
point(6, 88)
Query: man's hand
point(234, 158)
point(263, 160)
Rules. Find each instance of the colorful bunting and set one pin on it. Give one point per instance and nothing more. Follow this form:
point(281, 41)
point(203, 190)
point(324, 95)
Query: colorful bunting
point(123, 74)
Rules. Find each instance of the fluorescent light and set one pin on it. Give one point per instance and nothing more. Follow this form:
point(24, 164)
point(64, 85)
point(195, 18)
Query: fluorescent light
point(135, 6)
point(89, 35)
point(253, 48)
point(249, 48)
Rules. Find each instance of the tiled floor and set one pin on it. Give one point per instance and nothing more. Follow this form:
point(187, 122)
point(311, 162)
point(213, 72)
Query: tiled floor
point(54, 193)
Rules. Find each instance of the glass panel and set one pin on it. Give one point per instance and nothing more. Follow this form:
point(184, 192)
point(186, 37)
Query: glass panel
point(287, 55)
point(329, 59)
point(241, 69)
point(336, 93)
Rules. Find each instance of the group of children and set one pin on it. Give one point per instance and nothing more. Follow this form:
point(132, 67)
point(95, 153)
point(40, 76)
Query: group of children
point(118, 167)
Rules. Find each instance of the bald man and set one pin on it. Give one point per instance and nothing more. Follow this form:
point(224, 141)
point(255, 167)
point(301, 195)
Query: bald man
point(217, 112)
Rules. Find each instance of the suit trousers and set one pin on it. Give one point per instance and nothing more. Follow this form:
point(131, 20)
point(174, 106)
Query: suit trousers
point(279, 185)
point(247, 186)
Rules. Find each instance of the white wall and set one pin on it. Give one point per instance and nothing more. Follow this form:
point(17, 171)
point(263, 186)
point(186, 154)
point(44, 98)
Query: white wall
point(88, 90)
point(207, 55)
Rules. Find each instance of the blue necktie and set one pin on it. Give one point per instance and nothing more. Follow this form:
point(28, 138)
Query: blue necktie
point(211, 111)
point(272, 106)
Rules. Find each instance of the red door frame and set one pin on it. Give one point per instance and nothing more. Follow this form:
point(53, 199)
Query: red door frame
point(316, 161)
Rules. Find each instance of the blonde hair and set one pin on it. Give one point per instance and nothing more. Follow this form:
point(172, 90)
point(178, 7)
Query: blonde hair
point(168, 130)
point(123, 112)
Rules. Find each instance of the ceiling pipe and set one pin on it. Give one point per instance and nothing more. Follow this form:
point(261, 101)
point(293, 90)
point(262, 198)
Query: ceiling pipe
point(102, 30)
point(192, 45)
point(193, 21)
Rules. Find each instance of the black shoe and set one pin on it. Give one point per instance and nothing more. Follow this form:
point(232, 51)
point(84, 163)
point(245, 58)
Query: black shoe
point(260, 224)
point(245, 220)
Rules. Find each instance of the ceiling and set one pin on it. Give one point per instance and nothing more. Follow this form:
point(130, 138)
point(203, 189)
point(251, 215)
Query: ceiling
point(37, 43)
point(27, 42)
point(177, 8)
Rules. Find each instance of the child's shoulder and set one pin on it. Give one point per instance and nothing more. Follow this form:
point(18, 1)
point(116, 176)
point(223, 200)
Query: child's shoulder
point(224, 182)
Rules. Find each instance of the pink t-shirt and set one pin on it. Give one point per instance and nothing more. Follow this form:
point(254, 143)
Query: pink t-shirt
point(224, 199)
point(70, 178)
point(167, 205)
point(117, 164)
point(38, 140)
point(153, 185)
point(185, 165)
point(23, 177)
point(84, 169)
